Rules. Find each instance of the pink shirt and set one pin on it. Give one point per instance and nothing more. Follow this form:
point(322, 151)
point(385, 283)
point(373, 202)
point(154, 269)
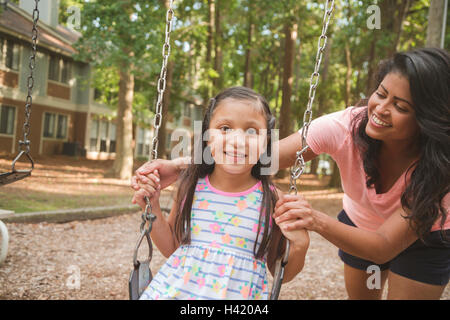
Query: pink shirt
point(368, 210)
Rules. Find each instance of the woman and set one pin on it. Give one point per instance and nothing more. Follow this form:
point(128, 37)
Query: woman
point(394, 159)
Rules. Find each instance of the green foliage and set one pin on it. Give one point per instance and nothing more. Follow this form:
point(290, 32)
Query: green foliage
point(130, 34)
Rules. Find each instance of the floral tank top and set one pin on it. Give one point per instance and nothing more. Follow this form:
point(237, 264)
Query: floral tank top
point(219, 262)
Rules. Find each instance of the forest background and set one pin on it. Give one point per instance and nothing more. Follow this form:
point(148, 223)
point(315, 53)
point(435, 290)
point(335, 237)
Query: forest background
point(267, 45)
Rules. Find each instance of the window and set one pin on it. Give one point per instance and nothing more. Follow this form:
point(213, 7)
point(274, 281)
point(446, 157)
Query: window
point(143, 142)
point(55, 126)
point(9, 54)
point(7, 118)
point(93, 136)
point(59, 69)
point(112, 137)
point(187, 110)
point(102, 136)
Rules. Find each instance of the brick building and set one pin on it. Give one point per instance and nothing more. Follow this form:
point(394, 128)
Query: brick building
point(64, 114)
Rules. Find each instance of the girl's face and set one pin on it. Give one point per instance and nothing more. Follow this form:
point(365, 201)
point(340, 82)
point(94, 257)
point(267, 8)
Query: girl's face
point(391, 113)
point(237, 135)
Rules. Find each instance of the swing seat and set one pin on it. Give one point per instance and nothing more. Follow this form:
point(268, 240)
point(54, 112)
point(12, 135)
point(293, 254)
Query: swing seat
point(15, 175)
point(10, 177)
point(140, 278)
point(141, 275)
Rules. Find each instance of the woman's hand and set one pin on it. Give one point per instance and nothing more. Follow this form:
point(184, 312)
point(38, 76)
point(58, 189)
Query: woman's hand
point(151, 189)
point(293, 212)
point(168, 171)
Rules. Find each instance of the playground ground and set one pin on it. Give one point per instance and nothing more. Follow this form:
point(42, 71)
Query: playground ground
point(92, 259)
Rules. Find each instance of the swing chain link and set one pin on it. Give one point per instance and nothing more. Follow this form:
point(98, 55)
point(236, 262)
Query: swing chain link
point(299, 166)
point(147, 215)
point(161, 85)
point(25, 143)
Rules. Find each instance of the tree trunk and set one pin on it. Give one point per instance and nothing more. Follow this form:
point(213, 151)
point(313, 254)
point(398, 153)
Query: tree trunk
point(123, 164)
point(335, 181)
point(251, 26)
point(436, 17)
point(218, 59)
point(206, 94)
point(348, 77)
point(370, 85)
point(290, 31)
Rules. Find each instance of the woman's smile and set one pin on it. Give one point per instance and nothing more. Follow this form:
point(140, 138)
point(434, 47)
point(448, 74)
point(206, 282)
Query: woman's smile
point(378, 123)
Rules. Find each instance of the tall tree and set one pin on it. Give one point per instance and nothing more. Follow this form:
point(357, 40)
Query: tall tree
point(250, 31)
point(117, 35)
point(436, 17)
point(290, 33)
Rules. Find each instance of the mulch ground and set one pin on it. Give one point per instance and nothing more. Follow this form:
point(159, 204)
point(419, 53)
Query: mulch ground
point(45, 261)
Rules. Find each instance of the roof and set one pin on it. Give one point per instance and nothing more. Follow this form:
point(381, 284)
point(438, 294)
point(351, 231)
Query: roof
point(17, 22)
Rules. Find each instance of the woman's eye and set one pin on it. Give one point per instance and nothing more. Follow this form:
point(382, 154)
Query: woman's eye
point(251, 131)
point(379, 95)
point(225, 129)
point(400, 108)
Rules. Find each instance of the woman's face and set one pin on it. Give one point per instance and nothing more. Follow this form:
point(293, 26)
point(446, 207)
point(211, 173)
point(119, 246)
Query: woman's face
point(391, 113)
point(238, 135)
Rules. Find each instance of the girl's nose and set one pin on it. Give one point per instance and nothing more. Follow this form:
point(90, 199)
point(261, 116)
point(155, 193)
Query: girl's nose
point(236, 138)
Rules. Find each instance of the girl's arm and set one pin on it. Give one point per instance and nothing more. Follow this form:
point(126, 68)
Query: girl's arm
point(379, 246)
point(162, 231)
point(298, 246)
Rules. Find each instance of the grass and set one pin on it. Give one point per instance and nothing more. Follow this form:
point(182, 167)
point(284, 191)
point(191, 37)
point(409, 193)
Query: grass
point(40, 201)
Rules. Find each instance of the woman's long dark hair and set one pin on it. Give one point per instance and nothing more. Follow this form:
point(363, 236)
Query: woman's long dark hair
point(428, 73)
point(190, 176)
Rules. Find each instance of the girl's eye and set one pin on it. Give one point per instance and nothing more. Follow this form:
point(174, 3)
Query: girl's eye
point(225, 129)
point(379, 95)
point(251, 131)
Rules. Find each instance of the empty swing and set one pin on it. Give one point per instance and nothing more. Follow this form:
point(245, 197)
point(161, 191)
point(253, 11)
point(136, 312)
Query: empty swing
point(141, 275)
point(24, 145)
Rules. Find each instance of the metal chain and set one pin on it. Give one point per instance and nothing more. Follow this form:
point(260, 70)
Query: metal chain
point(25, 143)
point(299, 165)
point(147, 215)
point(161, 85)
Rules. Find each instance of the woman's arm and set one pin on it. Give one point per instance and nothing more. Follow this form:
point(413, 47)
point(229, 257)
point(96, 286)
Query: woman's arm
point(288, 148)
point(379, 246)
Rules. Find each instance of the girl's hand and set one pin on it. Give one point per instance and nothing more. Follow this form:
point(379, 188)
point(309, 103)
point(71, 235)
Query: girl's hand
point(295, 213)
point(297, 237)
point(150, 189)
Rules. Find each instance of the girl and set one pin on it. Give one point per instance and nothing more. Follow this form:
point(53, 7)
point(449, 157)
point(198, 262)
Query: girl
point(394, 159)
point(219, 234)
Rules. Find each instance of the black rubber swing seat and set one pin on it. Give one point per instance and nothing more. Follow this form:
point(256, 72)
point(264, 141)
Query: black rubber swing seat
point(15, 175)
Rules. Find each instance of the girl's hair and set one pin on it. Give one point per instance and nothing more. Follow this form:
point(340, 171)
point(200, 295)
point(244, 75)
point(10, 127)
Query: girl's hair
point(195, 171)
point(428, 73)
